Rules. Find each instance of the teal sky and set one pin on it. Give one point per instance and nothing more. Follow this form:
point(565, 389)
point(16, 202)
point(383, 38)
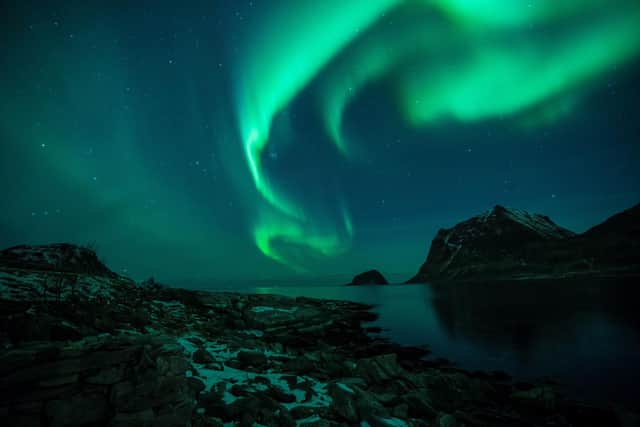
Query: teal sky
point(296, 141)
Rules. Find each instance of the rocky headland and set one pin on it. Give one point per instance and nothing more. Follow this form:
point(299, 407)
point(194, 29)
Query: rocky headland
point(371, 277)
point(512, 244)
point(83, 346)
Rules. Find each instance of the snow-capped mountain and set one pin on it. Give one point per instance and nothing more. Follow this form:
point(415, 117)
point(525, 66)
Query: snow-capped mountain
point(512, 243)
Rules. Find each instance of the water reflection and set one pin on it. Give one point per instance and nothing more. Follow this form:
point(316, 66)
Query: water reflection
point(584, 334)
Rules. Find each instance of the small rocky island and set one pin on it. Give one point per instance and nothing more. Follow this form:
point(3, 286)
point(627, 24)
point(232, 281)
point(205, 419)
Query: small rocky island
point(83, 346)
point(507, 244)
point(371, 277)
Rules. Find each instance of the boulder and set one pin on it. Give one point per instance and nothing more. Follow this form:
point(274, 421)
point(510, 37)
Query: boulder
point(541, 397)
point(371, 277)
point(254, 359)
point(380, 369)
point(343, 405)
point(77, 411)
point(202, 356)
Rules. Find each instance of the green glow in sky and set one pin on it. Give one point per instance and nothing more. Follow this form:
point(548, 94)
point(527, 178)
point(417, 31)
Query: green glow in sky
point(496, 79)
point(464, 60)
point(272, 231)
point(288, 49)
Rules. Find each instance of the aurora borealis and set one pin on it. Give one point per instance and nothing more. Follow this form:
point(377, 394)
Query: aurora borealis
point(286, 139)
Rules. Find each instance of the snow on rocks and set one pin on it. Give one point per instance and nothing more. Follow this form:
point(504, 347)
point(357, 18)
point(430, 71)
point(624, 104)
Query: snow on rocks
point(233, 382)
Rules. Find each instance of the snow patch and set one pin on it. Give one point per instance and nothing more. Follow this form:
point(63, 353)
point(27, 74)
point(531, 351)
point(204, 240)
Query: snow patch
point(254, 332)
point(228, 376)
point(262, 309)
point(311, 419)
point(345, 388)
point(394, 422)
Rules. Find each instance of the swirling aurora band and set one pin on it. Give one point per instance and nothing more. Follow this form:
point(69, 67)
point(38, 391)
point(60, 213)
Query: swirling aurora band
point(461, 60)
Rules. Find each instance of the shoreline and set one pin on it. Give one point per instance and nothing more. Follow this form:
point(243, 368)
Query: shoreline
point(161, 356)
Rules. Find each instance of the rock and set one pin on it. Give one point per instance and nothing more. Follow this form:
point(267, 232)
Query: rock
point(60, 381)
point(368, 406)
point(280, 395)
point(419, 404)
point(447, 420)
point(121, 394)
point(371, 277)
point(541, 397)
point(247, 420)
point(195, 340)
point(300, 412)
point(299, 366)
point(213, 405)
point(401, 411)
point(378, 421)
point(238, 391)
point(196, 384)
point(216, 366)
point(343, 404)
point(203, 357)
point(285, 419)
point(204, 421)
point(22, 420)
point(77, 411)
point(316, 422)
point(135, 419)
point(108, 376)
point(177, 414)
point(254, 359)
point(58, 257)
point(446, 391)
point(388, 398)
point(65, 331)
point(380, 369)
point(172, 365)
point(174, 390)
point(258, 406)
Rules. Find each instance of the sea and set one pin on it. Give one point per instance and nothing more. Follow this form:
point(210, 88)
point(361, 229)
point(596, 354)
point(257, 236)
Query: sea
point(584, 335)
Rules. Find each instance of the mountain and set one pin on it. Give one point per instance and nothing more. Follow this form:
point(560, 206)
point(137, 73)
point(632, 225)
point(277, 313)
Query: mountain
point(371, 277)
point(59, 257)
point(507, 243)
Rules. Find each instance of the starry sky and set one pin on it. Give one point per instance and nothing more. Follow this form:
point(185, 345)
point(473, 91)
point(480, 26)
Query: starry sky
point(236, 141)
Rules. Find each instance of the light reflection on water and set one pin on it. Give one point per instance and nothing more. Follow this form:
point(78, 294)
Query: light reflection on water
point(586, 335)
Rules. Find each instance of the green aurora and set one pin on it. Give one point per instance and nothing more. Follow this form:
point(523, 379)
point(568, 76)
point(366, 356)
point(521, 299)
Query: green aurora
point(297, 139)
point(456, 60)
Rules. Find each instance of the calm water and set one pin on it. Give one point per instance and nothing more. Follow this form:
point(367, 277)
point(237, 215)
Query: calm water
point(585, 335)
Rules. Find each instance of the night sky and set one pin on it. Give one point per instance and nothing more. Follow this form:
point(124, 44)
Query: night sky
point(296, 140)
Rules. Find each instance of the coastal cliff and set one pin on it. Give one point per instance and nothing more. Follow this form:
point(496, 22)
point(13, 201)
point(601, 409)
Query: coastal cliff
point(507, 243)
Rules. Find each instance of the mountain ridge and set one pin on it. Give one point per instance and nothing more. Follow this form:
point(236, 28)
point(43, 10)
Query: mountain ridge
point(509, 243)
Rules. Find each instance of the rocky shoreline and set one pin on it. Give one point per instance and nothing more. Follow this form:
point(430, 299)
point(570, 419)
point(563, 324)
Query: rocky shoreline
point(83, 349)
